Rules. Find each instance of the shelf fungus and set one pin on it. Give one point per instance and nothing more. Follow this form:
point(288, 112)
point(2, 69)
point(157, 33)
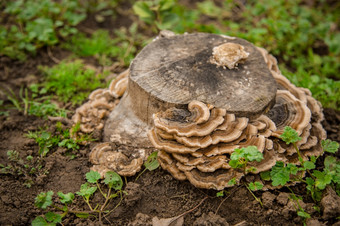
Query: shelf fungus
point(196, 98)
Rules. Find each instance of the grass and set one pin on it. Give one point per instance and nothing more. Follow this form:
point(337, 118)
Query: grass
point(105, 49)
point(71, 81)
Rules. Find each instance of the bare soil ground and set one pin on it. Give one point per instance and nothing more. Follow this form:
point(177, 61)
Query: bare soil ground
point(155, 193)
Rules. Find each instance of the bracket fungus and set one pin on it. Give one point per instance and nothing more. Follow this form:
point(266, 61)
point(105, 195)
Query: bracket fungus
point(196, 98)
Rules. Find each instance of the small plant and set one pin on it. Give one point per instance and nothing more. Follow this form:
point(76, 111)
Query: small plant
point(169, 15)
point(29, 168)
point(150, 164)
point(45, 141)
point(32, 104)
point(112, 181)
point(70, 81)
point(62, 138)
point(316, 180)
point(241, 157)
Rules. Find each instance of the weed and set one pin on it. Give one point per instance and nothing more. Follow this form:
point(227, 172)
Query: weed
point(31, 104)
point(167, 15)
point(240, 158)
point(316, 180)
point(104, 48)
point(71, 81)
point(37, 23)
point(150, 164)
point(29, 168)
point(62, 138)
point(113, 182)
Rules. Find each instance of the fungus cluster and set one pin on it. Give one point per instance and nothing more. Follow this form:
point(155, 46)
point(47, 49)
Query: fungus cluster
point(92, 115)
point(106, 158)
point(196, 143)
point(196, 98)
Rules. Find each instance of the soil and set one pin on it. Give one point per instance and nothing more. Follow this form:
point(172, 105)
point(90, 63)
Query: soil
point(154, 194)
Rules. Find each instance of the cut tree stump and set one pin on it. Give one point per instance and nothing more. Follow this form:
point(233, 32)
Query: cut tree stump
point(174, 70)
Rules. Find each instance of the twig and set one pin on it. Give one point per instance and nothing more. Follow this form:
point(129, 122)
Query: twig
point(189, 211)
point(232, 192)
point(63, 120)
point(54, 59)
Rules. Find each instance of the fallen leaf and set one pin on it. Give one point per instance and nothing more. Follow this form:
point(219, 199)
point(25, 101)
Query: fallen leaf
point(173, 221)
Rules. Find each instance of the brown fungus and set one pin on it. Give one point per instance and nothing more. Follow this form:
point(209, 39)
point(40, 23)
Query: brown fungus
point(179, 97)
point(106, 159)
point(229, 55)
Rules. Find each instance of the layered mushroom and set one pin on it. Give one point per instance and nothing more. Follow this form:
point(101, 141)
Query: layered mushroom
point(196, 98)
point(196, 143)
point(91, 116)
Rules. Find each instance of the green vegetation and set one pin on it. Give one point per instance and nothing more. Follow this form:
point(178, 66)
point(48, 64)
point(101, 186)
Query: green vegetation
point(61, 137)
point(105, 49)
point(27, 168)
point(113, 183)
point(240, 158)
point(36, 23)
point(71, 81)
point(31, 104)
point(150, 164)
point(316, 180)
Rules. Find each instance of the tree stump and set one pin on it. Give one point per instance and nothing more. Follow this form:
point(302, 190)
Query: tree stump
point(174, 70)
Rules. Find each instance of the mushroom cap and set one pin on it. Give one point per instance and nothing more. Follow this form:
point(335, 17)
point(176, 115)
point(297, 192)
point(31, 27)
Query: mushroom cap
point(229, 55)
point(289, 111)
point(106, 159)
point(217, 180)
point(175, 121)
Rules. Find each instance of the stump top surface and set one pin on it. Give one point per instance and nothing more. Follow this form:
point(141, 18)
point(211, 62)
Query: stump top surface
point(178, 69)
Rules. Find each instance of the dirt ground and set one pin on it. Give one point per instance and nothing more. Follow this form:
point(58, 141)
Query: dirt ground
point(155, 193)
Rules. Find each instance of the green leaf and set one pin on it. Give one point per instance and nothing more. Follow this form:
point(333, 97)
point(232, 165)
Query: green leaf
point(113, 180)
point(309, 165)
point(86, 190)
point(255, 186)
point(43, 200)
point(152, 163)
point(66, 198)
point(220, 194)
point(330, 146)
point(289, 135)
point(166, 4)
point(280, 173)
point(234, 164)
point(232, 181)
point(265, 175)
point(330, 163)
point(82, 215)
point(322, 179)
point(92, 176)
point(251, 153)
point(53, 217)
point(310, 183)
point(143, 11)
point(40, 221)
point(303, 214)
